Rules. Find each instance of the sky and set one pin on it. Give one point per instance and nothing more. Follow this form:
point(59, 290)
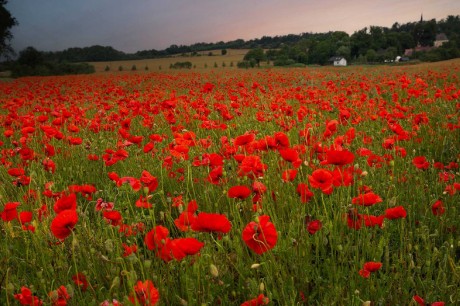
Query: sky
point(134, 25)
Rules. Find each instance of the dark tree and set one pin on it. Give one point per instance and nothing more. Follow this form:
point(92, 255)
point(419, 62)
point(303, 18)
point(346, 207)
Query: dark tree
point(6, 23)
point(30, 57)
point(256, 54)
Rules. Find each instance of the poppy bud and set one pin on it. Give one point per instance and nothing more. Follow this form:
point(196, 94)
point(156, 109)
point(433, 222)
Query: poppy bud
point(213, 270)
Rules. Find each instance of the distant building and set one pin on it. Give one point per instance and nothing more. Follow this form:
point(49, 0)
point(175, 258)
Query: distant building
point(338, 61)
point(440, 40)
point(410, 52)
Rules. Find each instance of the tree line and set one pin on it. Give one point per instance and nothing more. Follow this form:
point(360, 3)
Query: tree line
point(370, 44)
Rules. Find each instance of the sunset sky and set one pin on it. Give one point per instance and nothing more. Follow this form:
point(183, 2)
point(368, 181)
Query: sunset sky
point(133, 25)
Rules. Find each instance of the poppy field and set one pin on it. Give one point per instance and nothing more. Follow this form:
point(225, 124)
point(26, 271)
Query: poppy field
point(312, 186)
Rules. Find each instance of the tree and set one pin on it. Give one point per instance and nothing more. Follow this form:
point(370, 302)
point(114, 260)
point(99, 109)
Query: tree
point(6, 23)
point(223, 51)
point(256, 54)
point(30, 57)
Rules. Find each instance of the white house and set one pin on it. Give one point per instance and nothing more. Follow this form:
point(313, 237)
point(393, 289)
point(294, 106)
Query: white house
point(338, 60)
point(440, 40)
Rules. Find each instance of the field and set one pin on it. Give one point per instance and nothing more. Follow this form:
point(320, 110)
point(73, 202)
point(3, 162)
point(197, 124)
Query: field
point(312, 186)
point(201, 63)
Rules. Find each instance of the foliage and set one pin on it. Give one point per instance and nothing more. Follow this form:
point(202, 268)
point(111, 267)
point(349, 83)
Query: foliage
point(32, 63)
point(181, 65)
point(256, 55)
point(306, 48)
point(6, 23)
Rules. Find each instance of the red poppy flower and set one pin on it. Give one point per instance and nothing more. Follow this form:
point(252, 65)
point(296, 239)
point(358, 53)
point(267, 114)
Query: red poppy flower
point(129, 249)
point(291, 155)
point(16, 172)
point(313, 226)
point(370, 267)
point(65, 202)
point(59, 296)
point(281, 140)
point(85, 190)
point(182, 247)
point(371, 221)
point(304, 192)
point(208, 222)
point(156, 238)
point(421, 302)
point(134, 182)
point(143, 202)
point(259, 187)
point(321, 179)
point(113, 217)
point(395, 213)
point(27, 298)
point(244, 139)
point(289, 175)
point(149, 181)
point(215, 175)
point(260, 237)
point(258, 301)
point(367, 199)
point(10, 212)
point(354, 219)
point(239, 192)
point(80, 281)
point(338, 158)
point(144, 294)
point(421, 162)
point(25, 217)
point(252, 167)
point(64, 223)
point(438, 208)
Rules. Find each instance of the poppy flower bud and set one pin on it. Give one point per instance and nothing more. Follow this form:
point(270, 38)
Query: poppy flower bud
point(213, 270)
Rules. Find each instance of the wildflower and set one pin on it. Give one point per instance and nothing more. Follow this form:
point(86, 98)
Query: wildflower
point(239, 192)
point(395, 213)
point(438, 208)
point(321, 179)
point(60, 296)
point(65, 202)
point(80, 281)
point(260, 300)
point(369, 267)
point(144, 293)
point(260, 237)
point(338, 158)
point(208, 222)
point(64, 223)
point(313, 226)
point(10, 212)
point(420, 162)
point(367, 199)
point(304, 192)
point(27, 298)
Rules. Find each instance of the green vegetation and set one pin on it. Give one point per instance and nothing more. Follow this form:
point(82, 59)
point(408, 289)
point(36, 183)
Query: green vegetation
point(32, 63)
point(181, 65)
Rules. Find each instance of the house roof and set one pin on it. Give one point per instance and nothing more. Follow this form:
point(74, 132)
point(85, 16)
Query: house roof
point(336, 58)
point(441, 36)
